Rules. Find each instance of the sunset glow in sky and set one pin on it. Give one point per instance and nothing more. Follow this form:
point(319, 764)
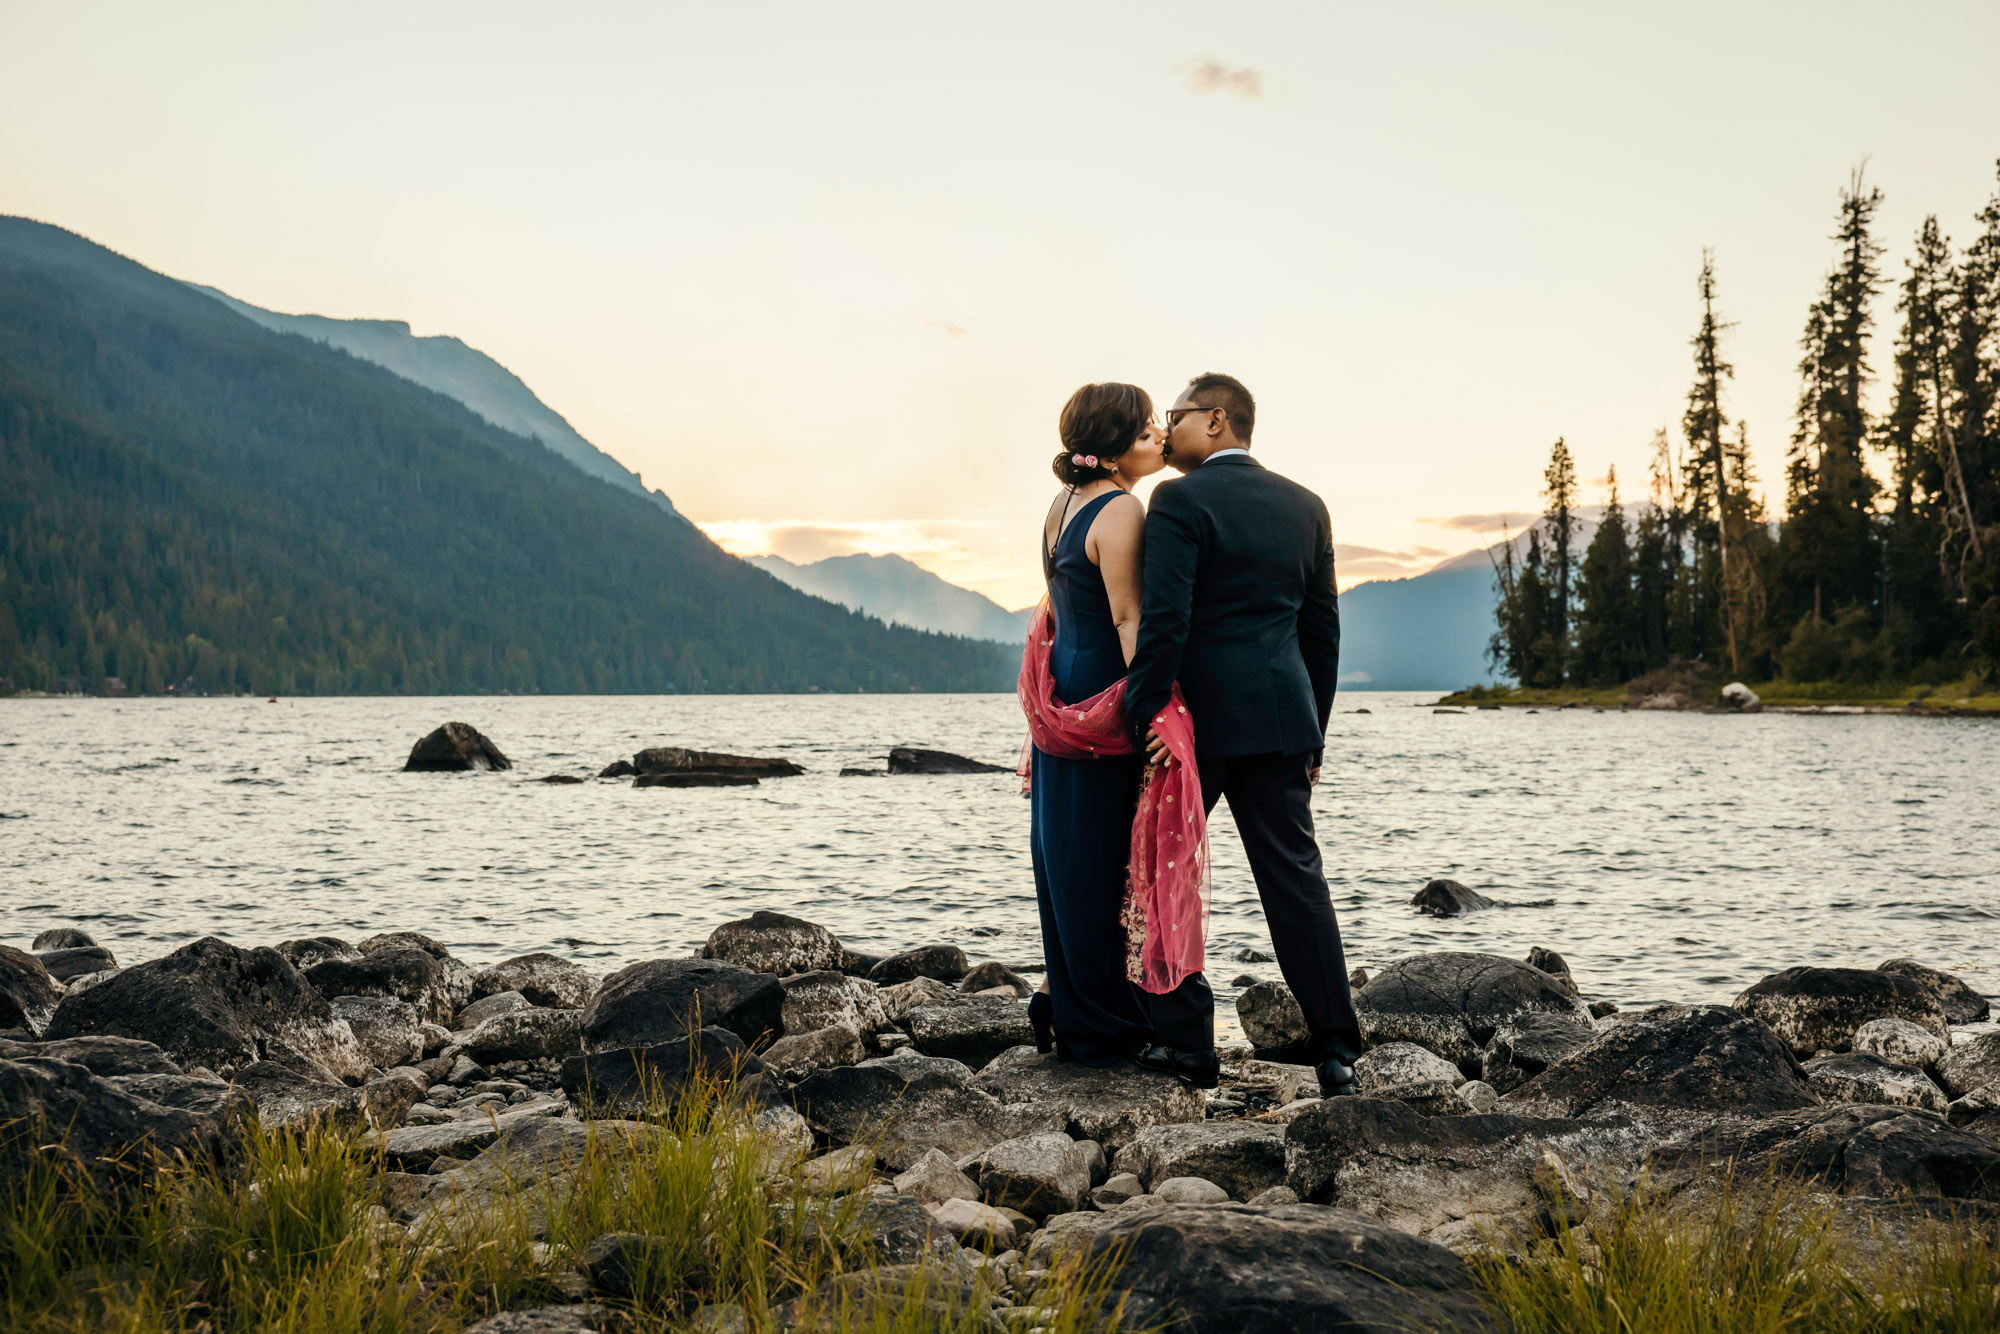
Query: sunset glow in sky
point(825, 273)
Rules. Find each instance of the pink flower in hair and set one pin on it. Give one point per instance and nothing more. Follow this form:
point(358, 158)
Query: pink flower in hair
point(1090, 460)
point(1077, 459)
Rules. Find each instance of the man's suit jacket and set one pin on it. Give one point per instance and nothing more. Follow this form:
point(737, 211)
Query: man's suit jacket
point(1239, 607)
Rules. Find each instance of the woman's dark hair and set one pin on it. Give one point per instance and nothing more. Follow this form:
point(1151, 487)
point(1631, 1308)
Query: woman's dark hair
point(1100, 419)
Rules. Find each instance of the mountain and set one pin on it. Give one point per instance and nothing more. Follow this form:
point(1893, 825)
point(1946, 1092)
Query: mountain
point(903, 593)
point(191, 500)
point(443, 363)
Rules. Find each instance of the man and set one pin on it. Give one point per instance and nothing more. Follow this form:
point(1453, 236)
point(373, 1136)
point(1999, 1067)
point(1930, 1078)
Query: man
point(1239, 607)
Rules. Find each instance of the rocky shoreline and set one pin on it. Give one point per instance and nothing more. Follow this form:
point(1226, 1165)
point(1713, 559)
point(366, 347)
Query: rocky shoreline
point(1497, 1101)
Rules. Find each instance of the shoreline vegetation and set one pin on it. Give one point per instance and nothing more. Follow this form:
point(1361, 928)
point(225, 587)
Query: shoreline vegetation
point(1965, 699)
point(780, 1133)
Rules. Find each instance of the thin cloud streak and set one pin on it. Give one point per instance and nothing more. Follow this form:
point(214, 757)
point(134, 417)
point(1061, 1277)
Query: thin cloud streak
point(1212, 76)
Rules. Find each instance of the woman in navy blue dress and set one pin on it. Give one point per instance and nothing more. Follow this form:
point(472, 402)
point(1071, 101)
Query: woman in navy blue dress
point(1083, 809)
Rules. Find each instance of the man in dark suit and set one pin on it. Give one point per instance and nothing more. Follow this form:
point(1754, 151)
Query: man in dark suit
point(1239, 607)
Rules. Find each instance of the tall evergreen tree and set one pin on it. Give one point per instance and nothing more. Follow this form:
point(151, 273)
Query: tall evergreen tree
point(1607, 617)
point(1829, 555)
point(1923, 566)
point(1706, 477)
point(1975, 388)
point(1559, 527)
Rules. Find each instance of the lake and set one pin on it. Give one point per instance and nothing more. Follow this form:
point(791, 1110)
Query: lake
point(1686, 855)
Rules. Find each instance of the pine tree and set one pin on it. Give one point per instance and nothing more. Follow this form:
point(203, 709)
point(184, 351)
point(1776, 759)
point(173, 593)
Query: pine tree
point(1706, 475)
point(1607, 618)
point(1559, 524)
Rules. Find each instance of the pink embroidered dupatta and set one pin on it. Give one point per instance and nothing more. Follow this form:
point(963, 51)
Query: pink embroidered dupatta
point(1165, 911)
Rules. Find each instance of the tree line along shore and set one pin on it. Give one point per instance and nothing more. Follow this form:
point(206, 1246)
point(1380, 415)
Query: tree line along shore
point(783, 1133)
point(1883, 576)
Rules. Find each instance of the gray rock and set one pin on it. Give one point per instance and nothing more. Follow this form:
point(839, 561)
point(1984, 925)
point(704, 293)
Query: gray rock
point(414, 1148)
point(1063, 1236)
point(290, 1097)
point(83, 960)
point(908, 1062)
point(905, 1111)
point(1242, 1157)
point(912, 760)
point(769, 942)
point(903, 997)
point(1739, 698)
point(1859, 1077)
point(457, 975)
point(1900, 1042)
point(579, 1318)
point(28, 995)
point(403, 973)
point(97, 1126)
point(1856, 1149)
point(523, 1035)
point(1978, 1111)
point(212, 1004)
point(1553, 964)
point(544, 979)
point(1960, 1003)
point(390, 1031)
point(972, 1029)
point(944, 963)
point(1279, 1269)
point(1431, 1097)
point(1274, 1195)
point(1478, 1095)
point(933, 1179)
point(1453, 1002)
point(656, 1001)
point(987, 976)
point(203, 1095)
point(1094, 1158)
point(1398, 1063)
point(1448, 898)
point(1819, 1009)
point(306, 952)
point(1528, 1044)
point(640, 1082)
point(1119, 1188)
point(463, 1070)
point(1276, 1080)
point(102, 1056)
point(477, 1013)
point(455, 747)
point(1673, 1062)
point(829, 998)
point(974, 1224)
point(1971, 1064)
point(1420, 1173)
point(668, 760)
point(1190, 1190)
point(1109, 1106)
point(796, 1053)
point(1038, 1174)
point(62, 938)
point(1272, 1020)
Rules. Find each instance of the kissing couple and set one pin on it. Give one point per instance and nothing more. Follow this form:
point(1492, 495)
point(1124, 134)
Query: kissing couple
point(1183, 654)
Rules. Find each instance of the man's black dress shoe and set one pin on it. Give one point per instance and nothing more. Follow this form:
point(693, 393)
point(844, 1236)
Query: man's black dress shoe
point(1336, 1079)
point(1203, 1069)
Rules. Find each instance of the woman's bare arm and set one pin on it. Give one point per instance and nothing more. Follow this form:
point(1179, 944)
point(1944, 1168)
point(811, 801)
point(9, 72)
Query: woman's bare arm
point(1116, 544)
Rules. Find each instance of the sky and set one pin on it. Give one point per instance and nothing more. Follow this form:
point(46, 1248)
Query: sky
point(825, 273)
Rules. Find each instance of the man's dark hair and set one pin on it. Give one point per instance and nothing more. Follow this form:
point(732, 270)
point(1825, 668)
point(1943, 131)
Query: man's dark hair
point(1211, 390)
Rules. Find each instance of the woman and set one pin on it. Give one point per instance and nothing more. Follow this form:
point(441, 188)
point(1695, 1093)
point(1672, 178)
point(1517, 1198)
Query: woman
point(1086, 794)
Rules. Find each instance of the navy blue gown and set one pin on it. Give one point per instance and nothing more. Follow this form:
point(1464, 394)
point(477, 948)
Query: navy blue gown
point(1082, 827)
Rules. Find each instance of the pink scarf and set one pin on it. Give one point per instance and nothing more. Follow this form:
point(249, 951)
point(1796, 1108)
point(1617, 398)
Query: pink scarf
point(1165, 911)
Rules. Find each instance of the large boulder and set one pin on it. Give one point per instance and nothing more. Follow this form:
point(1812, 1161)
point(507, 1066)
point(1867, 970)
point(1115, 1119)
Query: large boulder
point(1397, 1064)
point(390, 1031)
point(78, 961)
point(453, 748)
point(545, 979)
point(829, 999)
point(660, 1000)
point(1818, 1009)
point(1422, 1173)
point(904, 1109)
point(1528, 1044)
point(639, 1083)
point(796, 1053)
point(1858, 1077)
point(212, 1004)
point(770, 942)
point(99, 1127)
point(1454, 1002)
point(28, 995)
point(289, 1098)
point(1960, 1003)
point(1448, 898)
point(404, 973)
point(104, 1056)
point(972, 1029)
point(1856, 1149)
point(1901, 1042)
point(945, 963)
point(1108, 1106)
point(1971, 1064)
point(1272, 1020)
point(533, 1034)
point(668, 760)
point(1675, 1063)
point(1242, 1157)
point(913, 760)
point(1278, 1269)
point(1038, 1174)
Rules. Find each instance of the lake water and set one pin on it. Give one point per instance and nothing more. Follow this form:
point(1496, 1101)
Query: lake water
point(1686, 855)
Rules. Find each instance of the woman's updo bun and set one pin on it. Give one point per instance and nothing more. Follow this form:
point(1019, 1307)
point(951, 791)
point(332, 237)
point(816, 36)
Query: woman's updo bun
point(1100, 421)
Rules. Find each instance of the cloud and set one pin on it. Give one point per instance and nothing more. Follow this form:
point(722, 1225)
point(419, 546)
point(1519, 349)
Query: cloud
point(955, 330)
point(1212, 76)
point(1511, 520)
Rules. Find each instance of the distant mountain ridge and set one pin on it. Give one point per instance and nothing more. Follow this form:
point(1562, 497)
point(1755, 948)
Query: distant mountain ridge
point(443, 363)
point(902, 592)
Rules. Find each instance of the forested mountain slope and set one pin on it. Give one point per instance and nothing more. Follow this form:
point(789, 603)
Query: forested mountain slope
point(190, 500)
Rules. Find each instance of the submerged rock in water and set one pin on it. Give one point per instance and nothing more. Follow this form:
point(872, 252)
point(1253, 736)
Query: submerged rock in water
point(679, 760)
point(1448, 898)
point(61, 938)
point(80, 961)
point(911, 760)
point(771, 942)
point(453, 748)
point(1553, 964)
point(695, 780)
point(1819, 1009)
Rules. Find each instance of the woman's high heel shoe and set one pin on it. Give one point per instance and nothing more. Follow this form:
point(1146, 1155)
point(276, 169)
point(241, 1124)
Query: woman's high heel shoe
point(1042, 1016)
